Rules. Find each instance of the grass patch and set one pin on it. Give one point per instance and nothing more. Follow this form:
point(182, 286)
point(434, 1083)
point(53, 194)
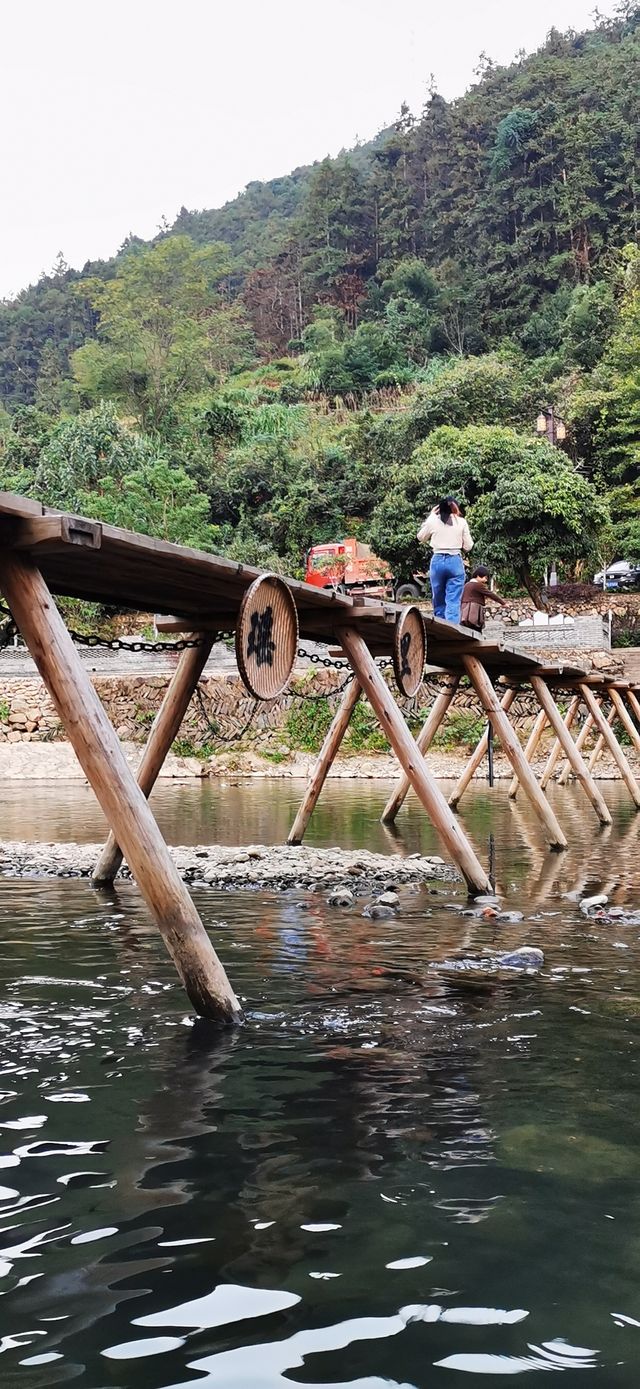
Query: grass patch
point(462, 729)
point(309, 720)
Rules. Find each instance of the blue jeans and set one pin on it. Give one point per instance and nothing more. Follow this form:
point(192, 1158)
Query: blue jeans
point(447, 582)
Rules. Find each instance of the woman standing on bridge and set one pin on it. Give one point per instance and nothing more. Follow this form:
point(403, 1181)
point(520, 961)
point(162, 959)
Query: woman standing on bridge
point(448, 535)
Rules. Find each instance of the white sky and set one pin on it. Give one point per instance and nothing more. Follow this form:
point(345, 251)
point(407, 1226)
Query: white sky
point(115, 112)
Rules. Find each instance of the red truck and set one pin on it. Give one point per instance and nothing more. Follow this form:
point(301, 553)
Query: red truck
point(350, 566)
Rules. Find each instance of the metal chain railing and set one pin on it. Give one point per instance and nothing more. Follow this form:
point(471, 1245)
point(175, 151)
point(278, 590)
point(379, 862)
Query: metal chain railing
point(465, 699)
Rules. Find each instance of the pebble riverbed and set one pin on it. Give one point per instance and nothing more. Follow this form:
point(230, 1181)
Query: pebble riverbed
point(257, 865)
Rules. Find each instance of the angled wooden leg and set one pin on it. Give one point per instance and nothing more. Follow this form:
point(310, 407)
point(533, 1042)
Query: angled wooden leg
point(556, 751)
point(625, 717)
point(531, 749)
point(412, 761)
point(503, 730)
point(423, 741)
point(581, 740)
point(598, 747)
point(335, 734)
point(580, 771)
point(477, 755)
point(612, 744)
point(633, 702)
point(104, 764)
point(164, 729)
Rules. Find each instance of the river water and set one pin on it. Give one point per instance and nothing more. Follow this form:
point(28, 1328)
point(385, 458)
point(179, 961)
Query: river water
point(376, 1182)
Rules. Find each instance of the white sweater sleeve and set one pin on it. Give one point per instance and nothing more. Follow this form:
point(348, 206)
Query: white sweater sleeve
point(467, 542)
point(426, 529)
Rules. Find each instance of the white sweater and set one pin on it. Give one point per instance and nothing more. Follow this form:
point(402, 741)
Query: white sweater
point(452, 536)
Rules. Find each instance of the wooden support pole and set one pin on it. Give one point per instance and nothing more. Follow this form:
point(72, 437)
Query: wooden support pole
point(411, 760)
point(101, 757)
point(556, 751)
point(503, 730)
point(578, 766)
point(633, 702)
point(164, 729)
point(531, 749)
point(625, 717)
point(612, 744)
point(581, 740)
point(423, 741)
point(598, 748)
point(477, 755)
point(335, 734)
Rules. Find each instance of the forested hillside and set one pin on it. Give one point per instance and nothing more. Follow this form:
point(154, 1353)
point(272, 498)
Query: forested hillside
point(332, 347)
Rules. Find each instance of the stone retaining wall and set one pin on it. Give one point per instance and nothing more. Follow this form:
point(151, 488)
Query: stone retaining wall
point(217, 717)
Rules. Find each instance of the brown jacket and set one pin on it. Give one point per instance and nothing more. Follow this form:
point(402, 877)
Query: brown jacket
point(474, 598)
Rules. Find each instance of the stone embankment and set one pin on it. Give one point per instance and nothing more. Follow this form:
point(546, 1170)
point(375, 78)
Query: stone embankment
point(258, 865)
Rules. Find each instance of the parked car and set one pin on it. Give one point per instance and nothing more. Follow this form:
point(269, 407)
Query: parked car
point(621, 574)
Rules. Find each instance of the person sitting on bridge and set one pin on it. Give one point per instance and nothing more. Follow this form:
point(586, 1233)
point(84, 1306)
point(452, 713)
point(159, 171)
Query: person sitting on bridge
point(475, 594)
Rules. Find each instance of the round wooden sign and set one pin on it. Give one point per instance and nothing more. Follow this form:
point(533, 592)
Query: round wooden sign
point(267, 636)
point(409, 650)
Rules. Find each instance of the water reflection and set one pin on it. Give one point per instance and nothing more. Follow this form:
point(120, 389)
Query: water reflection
point(382, 1179)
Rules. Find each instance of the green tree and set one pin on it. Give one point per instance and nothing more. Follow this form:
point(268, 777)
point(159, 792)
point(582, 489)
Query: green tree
point(527, 504)
point(157, 499)
point(165, 330)
point(81, 452)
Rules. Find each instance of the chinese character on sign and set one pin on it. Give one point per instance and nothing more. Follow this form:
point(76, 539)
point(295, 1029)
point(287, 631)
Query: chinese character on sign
point(260, 644)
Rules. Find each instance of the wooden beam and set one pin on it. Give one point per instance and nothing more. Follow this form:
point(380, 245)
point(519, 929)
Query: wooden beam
point(479, 752)
point(104, 764)
point(625, 717)
point(578, 766)
point(335, 734)
point(531, 749)
point(511, 746)
point(612, 744)
point(412, 762)
point(423, 742)
point(164, 729)
point(50, 533)
point(556, 751)
point(598, 748)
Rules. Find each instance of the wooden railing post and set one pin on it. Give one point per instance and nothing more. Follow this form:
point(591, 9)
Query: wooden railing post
point(101, 757)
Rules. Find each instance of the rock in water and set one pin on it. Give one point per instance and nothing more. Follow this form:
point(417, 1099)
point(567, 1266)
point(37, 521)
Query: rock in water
point(388, 899)
point(526, 959)
point(341, 897)
point(590, 904)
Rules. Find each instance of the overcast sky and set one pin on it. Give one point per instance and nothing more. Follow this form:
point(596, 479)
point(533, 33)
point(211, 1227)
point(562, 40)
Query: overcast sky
point(115, 114)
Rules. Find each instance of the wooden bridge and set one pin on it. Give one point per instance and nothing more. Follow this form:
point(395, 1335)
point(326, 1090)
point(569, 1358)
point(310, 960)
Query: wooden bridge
point(45, 553)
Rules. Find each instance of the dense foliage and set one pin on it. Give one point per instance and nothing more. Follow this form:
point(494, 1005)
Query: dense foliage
point(332, 349)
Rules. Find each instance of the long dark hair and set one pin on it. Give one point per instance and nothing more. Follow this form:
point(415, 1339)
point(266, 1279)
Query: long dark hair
point(445, 507)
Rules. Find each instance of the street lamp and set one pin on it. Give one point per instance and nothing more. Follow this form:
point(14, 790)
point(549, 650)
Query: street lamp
point(551, 425)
